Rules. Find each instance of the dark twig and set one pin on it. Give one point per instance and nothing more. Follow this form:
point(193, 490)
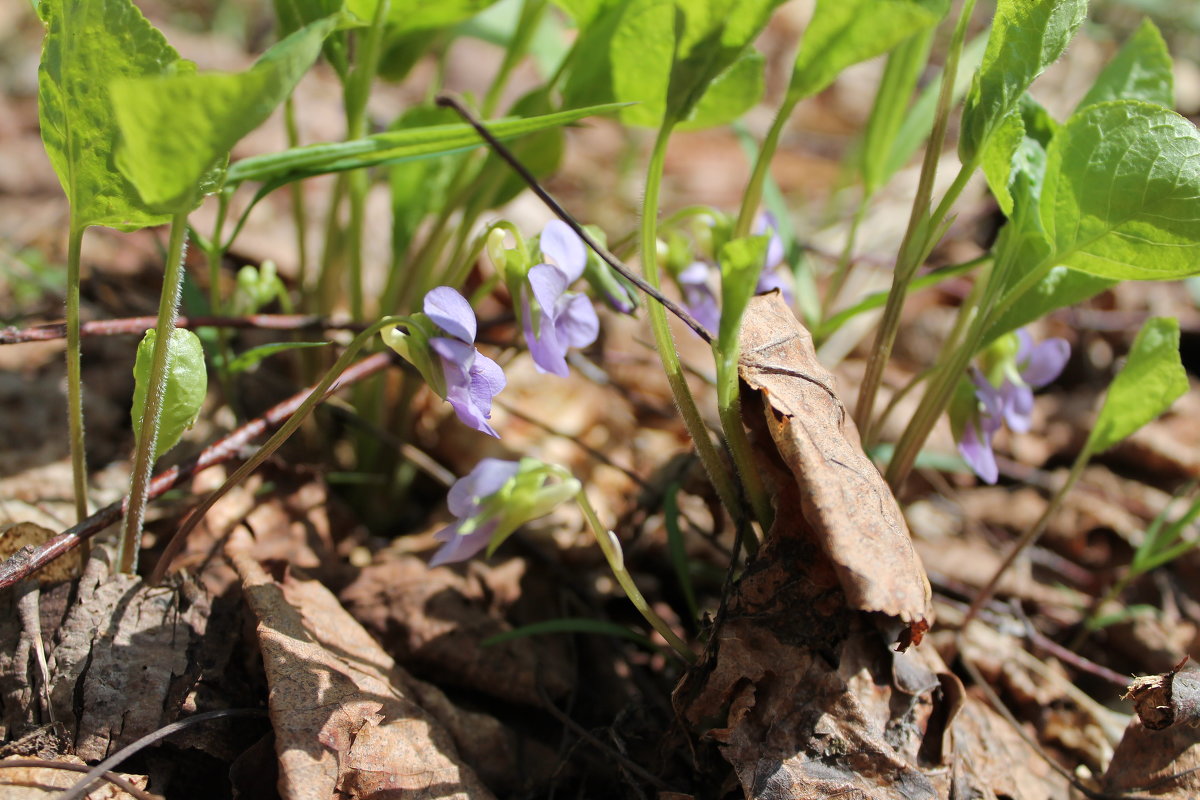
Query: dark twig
point(28, 559)
point(111, 777)
point(80, 789)
point(704, 333)
point(138, 325)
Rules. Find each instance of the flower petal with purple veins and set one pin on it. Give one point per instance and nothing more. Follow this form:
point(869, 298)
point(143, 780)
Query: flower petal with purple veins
point(450, 311)
point(472, 379)
point(977, 452)
point(1018, 407)
point(488, 477)
point(564, 249)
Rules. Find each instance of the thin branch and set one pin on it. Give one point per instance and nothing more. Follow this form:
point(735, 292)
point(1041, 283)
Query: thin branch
point(81, 788)
point(637, 280)
point(28, 559)
point(138, 325)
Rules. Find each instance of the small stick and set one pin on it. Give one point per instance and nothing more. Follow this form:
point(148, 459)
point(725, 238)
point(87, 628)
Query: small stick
point(111, 777)
point(80, 789)
point(28, 609)
point(138, 325)
point(28, 559)
point(704, 333)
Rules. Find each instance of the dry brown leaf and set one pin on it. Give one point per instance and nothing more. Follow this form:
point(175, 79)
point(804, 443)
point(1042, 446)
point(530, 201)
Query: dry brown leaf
point(343, 727)
point(1156, 763)
point(846, 503)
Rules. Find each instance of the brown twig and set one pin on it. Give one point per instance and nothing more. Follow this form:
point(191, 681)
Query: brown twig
point(625, 272)
point(111, 777)
point(138, 325)
point(28, 559)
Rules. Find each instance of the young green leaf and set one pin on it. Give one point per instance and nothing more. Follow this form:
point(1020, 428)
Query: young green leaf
point(175, 130)
point(1121, 197)
point(414, 15)
point(845, 32)
point(731, 94)
point(183, 393)
point(1141, 70)
point(1027, 36)
point(251, 358)
point(741, 262)
point(1152, 379)
point(88, 45)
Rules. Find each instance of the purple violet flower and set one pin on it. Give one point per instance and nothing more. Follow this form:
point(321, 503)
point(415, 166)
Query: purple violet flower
point(1011, 402)
point(553, 318)
point(771, 276)
point(472, 379)
point(465, 501)
point(698, 295)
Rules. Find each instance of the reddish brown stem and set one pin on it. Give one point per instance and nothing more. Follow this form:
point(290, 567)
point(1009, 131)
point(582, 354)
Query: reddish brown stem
point(28, 559)
point(138, 325)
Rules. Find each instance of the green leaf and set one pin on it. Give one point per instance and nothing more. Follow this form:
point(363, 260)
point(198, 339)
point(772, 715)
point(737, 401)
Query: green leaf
point(391, 147)
point(174, 130)
point(1027, 36)
point(1014, 158)
point(570, 625)
point(1061, 287)
point(997, 158)
point(585, 12)
point(418, 187)
point(1121, 197)
point(741, 263)
point(1152, 379)
point(845, 32)
point(1141, 70)
point(731, 94)
point(900, 75)
point(418, 15)
point(251, 358)
point(88, 45)
point(183, 392)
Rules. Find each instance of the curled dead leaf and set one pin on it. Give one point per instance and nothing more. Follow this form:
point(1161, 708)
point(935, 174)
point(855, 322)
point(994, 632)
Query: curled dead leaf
point(845, 503)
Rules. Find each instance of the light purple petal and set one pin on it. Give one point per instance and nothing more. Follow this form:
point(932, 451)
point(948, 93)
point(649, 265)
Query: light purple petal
point(459, 355)
point(451, 312)
point(978, 454)
point(460, 365)
point(702, 304)
point(1024, 344)
point(548, 283)
point(576, 323)
point(563, 248)
point(488, 476)
point(487, 381)
point(765, 222)
point(1018, 406)
point(549, 355)
point(695, 274)
point(992, 415)
point(1045, 362)
point(458, 547)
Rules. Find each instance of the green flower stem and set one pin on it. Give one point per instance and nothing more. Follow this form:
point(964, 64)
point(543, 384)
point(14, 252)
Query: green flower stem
point(358, 89)
point(616, 561)
point(918, 238)
point(328, 278)
point(74, 375)
point(296, 193)
point(758, 177)
point(143, 459)
point(709, 457)
point(215, 253)
point(1030, 536)
point(729, 407)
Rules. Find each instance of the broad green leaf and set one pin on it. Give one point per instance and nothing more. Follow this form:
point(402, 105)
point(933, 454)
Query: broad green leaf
point(252, 357)
point(1027, 36)
point(997, 158)
point(640, 52)
point(741, 263)
point(1121, 197)
point(585, 12)
point(391, 147)
point(183, 392)
point(88, 45)
point(731, 94)
point(1061, 287)
point(420, 15)
point(174, 130)
point(1141, 70)
point(1152, 379)
point(845, 32)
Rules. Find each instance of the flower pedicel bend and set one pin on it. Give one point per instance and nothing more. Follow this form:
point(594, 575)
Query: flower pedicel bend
point(466, 378)
point(1005, 395)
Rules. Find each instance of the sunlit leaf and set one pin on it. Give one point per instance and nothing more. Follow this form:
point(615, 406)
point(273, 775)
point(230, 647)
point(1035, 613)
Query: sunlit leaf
point(184, 389)
point(1141, 70)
